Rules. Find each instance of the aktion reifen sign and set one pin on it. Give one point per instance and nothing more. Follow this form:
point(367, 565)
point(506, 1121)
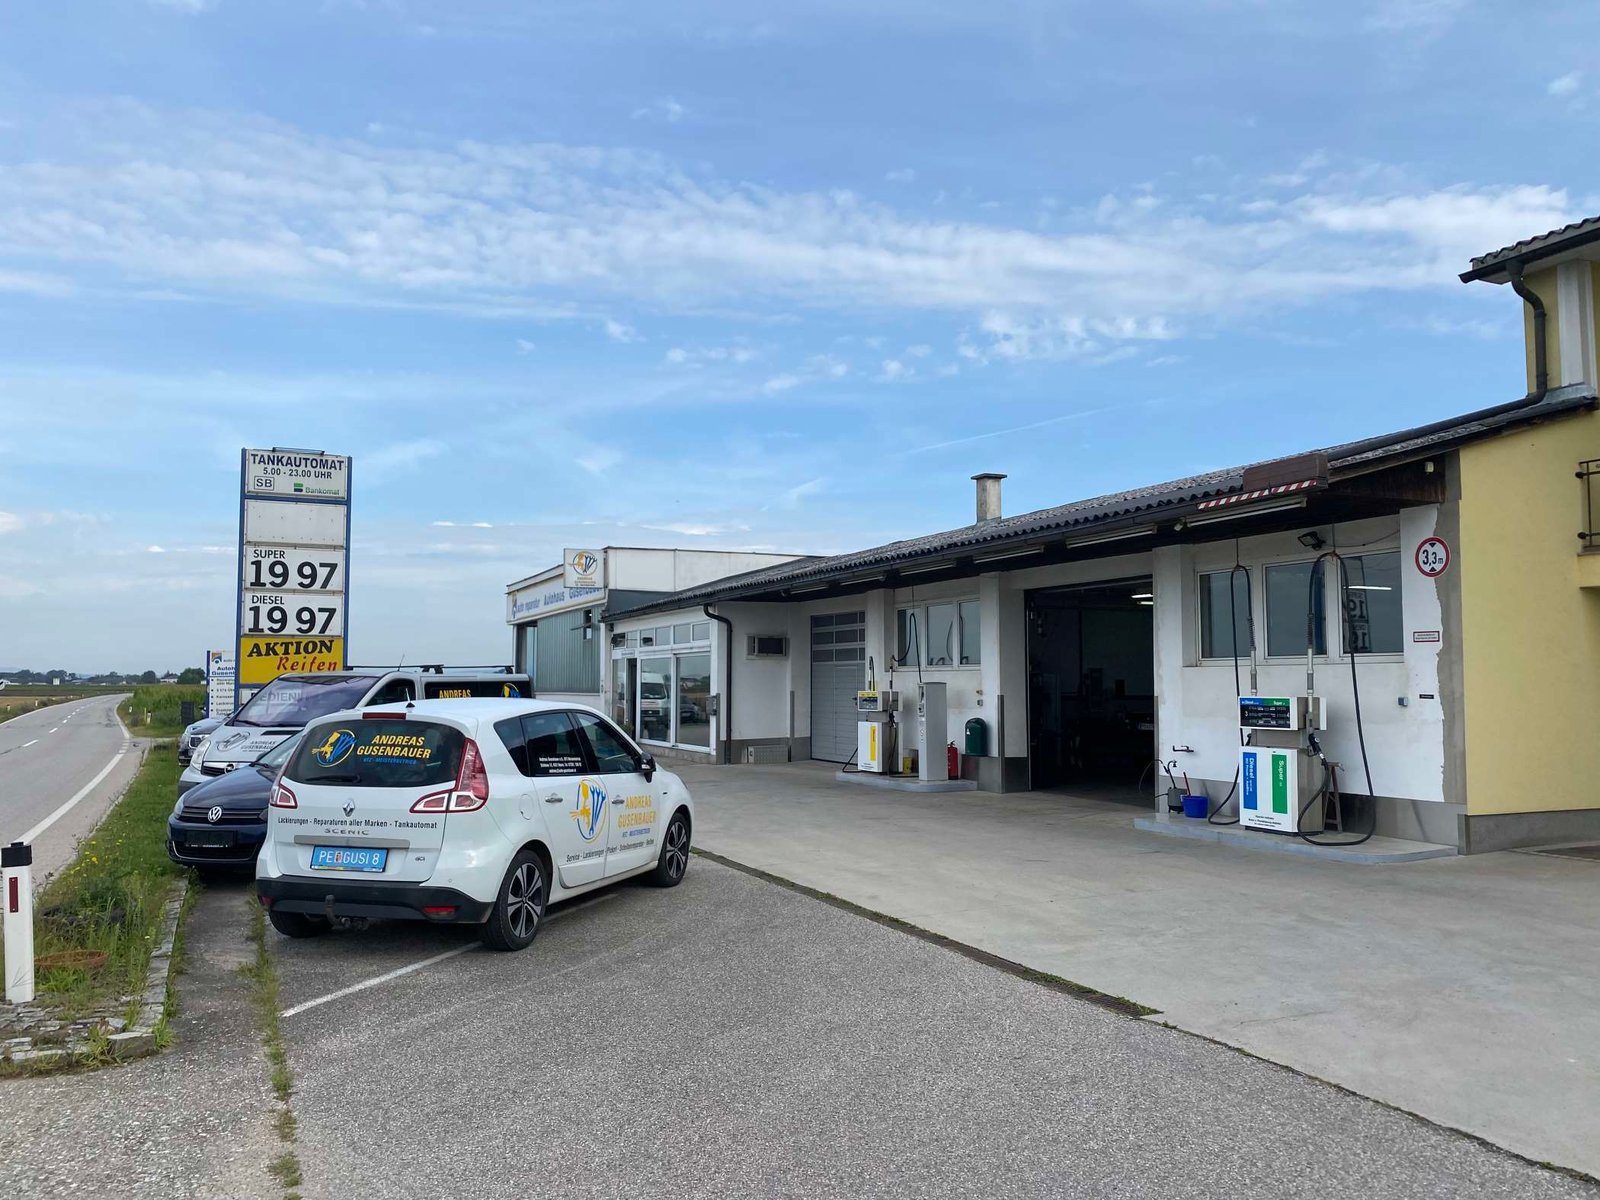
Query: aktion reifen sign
point(294, 537)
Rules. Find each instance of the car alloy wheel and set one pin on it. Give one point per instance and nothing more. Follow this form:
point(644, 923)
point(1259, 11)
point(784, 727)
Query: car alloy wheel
point(525, 900)
point(677, 858)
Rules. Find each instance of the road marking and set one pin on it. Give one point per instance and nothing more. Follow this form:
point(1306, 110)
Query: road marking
point(25, 745)
point(295, 1009)
point(127, 744)
point(57, 727)
point(375, 981)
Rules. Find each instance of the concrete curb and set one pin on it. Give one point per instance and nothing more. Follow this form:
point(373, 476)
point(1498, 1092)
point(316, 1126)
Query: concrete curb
point(139, 1039)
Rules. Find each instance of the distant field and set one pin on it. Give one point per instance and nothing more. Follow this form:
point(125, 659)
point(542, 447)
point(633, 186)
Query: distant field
point(157, 711)
point(19, 698)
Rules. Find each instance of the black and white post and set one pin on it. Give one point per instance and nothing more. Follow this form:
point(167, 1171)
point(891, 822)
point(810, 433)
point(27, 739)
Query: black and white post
point(16, 871)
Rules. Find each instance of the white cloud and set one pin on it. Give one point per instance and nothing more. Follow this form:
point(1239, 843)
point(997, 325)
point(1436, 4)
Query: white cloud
point(793, 497)
point(185, 6)
point(1565, 85)
point(697, 528)
point(696, 356)
point(918, 351)
point(1013, 337)
point(10, 522)
point(462, 524)
point(1425, 17)
point(894, 371)
point(662, 108)
point(903, 175)
point(154, 550)
point(780, 383)
point(210, 205)
point(524, 346)
point(389, 462)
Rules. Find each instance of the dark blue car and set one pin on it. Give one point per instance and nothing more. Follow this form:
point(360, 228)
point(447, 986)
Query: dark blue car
point(220, 825)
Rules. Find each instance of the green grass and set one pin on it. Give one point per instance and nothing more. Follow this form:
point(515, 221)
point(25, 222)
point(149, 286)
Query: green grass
point(157, 711)
point(263, 978)
point(112, 897)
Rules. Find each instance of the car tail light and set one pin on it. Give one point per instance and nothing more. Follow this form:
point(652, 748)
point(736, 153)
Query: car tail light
point(472, 785)
point(282, 797)
point(383, 716)
point(436, 802)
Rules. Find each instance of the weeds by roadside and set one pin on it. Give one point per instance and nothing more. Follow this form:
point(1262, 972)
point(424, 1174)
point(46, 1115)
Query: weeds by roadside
point(264, 980)
point(158, 711)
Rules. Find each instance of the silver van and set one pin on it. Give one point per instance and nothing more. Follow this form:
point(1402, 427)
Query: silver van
point(286, 705)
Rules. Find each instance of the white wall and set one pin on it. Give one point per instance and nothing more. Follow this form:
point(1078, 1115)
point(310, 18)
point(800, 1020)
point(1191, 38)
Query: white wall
point(1405, 744)
point(637, 569)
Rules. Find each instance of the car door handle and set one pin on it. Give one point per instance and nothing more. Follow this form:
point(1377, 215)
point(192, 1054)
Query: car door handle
point(552, 799)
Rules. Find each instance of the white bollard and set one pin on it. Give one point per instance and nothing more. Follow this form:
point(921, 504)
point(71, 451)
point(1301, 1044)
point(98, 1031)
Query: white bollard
point(16, 868)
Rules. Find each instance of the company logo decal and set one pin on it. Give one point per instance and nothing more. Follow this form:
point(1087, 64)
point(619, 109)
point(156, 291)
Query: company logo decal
point(590, 814)
point(336, 749)
point(349, 808)
point(584, 563)
point(215, 814)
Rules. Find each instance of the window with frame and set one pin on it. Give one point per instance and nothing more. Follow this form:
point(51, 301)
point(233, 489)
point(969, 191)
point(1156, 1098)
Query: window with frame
point(1370, 592)
point(1289, 589)
point(612, 754)
point(1225, 614)
point(543, 744)
point(945, 633)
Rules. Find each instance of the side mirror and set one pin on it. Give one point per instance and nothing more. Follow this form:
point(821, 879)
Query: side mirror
point(647, 765)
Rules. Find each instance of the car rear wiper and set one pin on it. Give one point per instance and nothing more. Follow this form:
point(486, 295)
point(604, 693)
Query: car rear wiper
point(340, 779)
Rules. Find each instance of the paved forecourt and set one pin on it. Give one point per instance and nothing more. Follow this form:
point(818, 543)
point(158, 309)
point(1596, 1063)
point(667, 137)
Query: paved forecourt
point(734, 1038)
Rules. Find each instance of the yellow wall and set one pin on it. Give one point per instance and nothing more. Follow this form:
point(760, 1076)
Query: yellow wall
point(1543, 284)
point(1530, 636)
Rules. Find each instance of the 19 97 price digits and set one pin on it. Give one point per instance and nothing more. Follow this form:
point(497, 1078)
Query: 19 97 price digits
point(308, 575)
point(278, 618)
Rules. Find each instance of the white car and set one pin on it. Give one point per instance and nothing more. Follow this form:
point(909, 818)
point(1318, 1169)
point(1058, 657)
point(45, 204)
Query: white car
point(465, 811)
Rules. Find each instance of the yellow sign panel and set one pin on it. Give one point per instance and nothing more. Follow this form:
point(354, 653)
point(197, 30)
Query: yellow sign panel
point(263, 659)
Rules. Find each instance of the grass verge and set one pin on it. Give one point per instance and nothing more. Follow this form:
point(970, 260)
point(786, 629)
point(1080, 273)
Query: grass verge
point(158, 711)
point(263, 977)
point(110, 900)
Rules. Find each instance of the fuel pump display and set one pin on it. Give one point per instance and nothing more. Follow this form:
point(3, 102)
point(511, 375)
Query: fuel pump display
point(1278, 767)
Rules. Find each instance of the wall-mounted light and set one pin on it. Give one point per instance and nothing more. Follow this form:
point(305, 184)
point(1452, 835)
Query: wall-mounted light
point(1312, 540)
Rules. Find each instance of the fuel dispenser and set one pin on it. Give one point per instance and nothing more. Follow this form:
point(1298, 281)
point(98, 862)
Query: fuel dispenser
point(876, 730)
point(932, 720)
point(1280, 765)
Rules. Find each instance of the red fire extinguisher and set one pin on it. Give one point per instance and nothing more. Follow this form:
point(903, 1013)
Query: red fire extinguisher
point(952, 762)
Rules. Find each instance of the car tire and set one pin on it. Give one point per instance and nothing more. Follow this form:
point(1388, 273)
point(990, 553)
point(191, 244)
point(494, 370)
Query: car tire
point(297, 925)
point(674, 859)
point(519, 908)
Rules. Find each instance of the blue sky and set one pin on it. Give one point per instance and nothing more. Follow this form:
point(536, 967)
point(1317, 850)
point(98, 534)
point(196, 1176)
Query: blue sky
point(766, 275)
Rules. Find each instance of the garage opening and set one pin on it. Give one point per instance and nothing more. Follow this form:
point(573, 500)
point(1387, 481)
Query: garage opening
point(838, 672)
point(1091, 689)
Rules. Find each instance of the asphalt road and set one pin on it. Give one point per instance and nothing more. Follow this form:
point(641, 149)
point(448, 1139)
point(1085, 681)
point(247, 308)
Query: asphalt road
point(49, 756)
point(733, 1038)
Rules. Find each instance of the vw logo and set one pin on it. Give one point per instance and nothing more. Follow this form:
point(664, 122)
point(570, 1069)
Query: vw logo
point(215, 814)
point(349, 808)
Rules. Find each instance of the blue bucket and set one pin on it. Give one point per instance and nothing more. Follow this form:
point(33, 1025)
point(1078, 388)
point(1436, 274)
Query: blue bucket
point(1196, 806)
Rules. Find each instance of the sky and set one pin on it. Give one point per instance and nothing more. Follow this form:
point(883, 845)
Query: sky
point(759, 274)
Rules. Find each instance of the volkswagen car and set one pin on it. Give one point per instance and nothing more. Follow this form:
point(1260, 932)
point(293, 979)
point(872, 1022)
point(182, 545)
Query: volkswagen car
point(465, 811)
point(219, 826)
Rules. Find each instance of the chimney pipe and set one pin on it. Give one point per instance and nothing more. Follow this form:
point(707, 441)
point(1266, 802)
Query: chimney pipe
point(988, 496)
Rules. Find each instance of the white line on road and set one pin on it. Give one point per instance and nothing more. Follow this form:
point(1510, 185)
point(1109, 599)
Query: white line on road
point(127, 744)
point(25, 745)
point(57, 727)
point(427, 962)
point(376, 980)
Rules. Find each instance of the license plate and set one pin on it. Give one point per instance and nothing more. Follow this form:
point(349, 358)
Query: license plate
point(348, 858)
point(217, 841)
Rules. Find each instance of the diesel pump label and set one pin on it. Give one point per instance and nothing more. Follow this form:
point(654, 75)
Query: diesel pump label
point(263, 659)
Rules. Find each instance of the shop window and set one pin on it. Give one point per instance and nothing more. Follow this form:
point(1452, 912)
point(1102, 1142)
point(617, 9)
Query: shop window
point(1289, 595)
point(971, 627)
point(1225, 614)
point(694, 700)
point(1371, 596)
point(940, 635)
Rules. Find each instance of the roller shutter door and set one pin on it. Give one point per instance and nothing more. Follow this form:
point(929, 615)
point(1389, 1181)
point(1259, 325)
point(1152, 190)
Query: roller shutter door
point(838, 672)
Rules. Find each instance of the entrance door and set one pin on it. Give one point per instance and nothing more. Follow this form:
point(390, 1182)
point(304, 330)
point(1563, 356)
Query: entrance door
point(1091, 689)
point(838, 672)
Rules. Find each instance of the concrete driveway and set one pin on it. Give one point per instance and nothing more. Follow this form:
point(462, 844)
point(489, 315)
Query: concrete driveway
point(1459, 989)
point(733, 1038)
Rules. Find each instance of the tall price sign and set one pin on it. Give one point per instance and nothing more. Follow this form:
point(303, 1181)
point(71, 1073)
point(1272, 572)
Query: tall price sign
point(294, 554)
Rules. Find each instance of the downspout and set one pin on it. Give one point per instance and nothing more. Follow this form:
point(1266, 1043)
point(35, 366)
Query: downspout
point(1541, 363)
point(727, 684)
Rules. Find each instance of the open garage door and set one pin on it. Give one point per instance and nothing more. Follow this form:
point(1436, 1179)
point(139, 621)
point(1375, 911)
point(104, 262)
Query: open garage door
point(838, 672)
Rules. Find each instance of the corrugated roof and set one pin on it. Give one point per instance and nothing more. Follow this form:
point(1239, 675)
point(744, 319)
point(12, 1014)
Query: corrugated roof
point(1541, 246)
point(1350, 458)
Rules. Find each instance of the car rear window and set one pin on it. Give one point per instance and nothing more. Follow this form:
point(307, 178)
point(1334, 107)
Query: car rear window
point(461, 689)
point(378, 754)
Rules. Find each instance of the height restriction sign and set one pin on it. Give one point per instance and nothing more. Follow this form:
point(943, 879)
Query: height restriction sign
point(293, 587)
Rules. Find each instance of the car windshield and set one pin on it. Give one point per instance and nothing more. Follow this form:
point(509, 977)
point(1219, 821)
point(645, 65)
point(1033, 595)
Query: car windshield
point(653, 691)
point(296, 701)
point(279, 754)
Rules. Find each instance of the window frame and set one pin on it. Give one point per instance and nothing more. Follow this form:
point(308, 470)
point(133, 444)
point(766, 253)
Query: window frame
point(1344, 623)
point(921, 608)
point(635, 752)
point(1252, 578)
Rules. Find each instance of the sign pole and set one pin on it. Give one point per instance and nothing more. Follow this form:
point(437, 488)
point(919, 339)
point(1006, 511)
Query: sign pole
point(16, 868)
